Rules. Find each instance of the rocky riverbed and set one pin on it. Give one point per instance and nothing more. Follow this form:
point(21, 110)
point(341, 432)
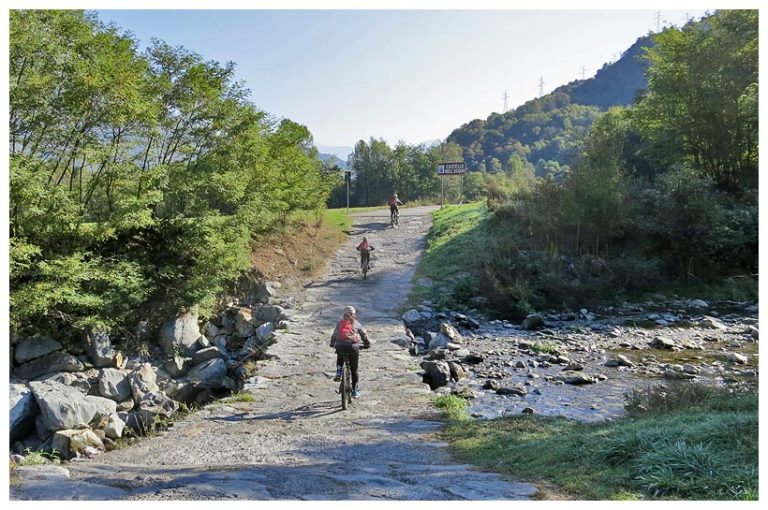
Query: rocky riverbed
point(581, 365)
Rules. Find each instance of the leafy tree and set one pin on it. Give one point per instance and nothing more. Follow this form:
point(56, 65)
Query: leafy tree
point(137, 181)
point(701, 105)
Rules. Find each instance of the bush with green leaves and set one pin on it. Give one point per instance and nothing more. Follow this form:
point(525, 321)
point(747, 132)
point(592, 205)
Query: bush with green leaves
point(138, 180)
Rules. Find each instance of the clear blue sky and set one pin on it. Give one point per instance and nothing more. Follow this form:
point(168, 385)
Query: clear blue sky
point(396, 74)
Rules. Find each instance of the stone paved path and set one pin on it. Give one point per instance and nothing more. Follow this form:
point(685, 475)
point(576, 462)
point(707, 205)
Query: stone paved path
point(295, 442)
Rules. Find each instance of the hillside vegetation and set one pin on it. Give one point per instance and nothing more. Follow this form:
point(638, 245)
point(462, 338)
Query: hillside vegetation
point(138, 180)
point(662, 195)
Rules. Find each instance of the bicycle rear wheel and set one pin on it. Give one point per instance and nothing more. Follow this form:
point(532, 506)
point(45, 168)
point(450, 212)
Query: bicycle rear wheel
point(346, 386)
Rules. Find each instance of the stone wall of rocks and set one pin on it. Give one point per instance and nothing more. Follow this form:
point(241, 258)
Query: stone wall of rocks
point(78, 401)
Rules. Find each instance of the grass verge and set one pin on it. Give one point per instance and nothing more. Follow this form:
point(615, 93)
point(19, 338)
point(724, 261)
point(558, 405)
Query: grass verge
point(454, 408)
point(452, 244)
point(681, 442)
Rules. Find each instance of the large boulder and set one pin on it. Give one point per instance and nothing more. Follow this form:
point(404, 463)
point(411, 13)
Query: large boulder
point(76, 443)
point(114, 384)
point(244, 322)
point(712, 323)
point(411, 315)
point(79, 380)
point(457, 371)
point(206, 354)
point(271, 313)
point(533, 322)
point(62, 407)
point(181, 390)
point(180, 333)
point(105, 407)
point(158, 404)
point(438, 373)
point(662, 342)
point(142, 380)
point(99, 348)
point(210, 373)
point(449, 331)
point(265, 291)
point(177, 366)
point(438, 341)
point(31, 348)
point(264, 331)
point(114, 427)
point(23, 411)
point(54, 362)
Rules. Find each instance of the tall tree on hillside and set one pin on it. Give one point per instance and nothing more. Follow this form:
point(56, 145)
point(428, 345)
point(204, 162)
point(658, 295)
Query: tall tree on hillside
point(701, 107)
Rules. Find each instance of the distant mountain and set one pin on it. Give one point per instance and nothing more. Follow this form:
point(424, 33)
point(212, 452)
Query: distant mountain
point(431, 143)
point(546, 132)
point(340, 151)
point(615, 84)
point(332, 159)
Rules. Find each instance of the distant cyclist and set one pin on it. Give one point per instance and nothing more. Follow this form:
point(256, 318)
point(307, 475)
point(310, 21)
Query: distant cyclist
point(393, 203)
point(365, 250)
point(347, 338)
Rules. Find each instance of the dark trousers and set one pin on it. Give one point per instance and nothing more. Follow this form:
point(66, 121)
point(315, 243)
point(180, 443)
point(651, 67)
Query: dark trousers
point(354, 358)
point(365, 257)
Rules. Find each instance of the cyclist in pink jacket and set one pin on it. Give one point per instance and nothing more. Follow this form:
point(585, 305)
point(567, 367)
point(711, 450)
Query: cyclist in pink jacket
point(348, 337)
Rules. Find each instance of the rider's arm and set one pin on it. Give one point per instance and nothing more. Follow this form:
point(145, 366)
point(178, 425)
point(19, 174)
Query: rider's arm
point(364, 337)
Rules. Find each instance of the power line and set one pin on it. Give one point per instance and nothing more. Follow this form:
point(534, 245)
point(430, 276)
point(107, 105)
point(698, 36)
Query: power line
point(583, 70)
point(541, 86)
point(505, 102)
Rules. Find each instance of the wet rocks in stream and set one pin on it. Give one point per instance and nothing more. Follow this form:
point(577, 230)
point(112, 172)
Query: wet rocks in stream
point(581, 364)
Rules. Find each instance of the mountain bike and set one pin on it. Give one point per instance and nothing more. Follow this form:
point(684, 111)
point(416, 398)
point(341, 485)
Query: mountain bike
point(394, 219)
point(345, 386)
point(365, 265)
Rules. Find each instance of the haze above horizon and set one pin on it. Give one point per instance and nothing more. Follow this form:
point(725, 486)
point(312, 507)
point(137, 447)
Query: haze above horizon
point(397, 74)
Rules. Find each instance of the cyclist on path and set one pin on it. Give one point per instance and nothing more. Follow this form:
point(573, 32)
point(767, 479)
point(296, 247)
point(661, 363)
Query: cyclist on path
point(393, 203)
point(365, 250)
point(347, 338)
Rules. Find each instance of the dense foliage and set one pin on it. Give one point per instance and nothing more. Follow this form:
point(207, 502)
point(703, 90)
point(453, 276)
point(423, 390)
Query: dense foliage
point(138, 180)
point(379, 170)
point(662, 193)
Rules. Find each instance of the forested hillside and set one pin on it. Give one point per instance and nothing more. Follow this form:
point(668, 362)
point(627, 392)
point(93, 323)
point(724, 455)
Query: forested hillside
point(615, 84)
point(138, 180)
point(547, 132)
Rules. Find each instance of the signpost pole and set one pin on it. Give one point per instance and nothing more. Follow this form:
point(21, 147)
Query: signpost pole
point(347, 178)
point(451, 168)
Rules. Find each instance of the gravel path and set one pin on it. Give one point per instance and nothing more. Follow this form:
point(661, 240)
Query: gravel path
point(294, 442)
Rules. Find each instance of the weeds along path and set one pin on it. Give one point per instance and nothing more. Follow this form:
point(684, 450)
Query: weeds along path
point(294, 442)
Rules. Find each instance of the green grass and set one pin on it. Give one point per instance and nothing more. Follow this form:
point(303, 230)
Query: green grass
point(242, 396)
point(454, 407)
point(452, 245)
point(546, 348)
point(338, 218)
point(698, 445)
point(36, 458)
